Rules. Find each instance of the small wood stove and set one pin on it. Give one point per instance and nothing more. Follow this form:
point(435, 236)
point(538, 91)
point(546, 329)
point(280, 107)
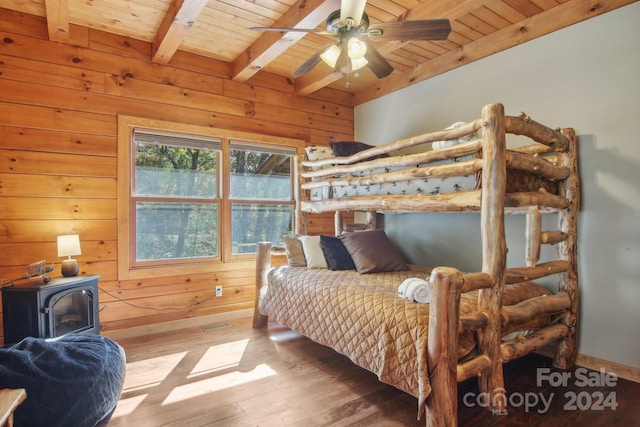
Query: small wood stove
point(48, 310)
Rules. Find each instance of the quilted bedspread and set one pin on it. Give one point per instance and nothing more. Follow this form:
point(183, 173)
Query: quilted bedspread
point(362, 317)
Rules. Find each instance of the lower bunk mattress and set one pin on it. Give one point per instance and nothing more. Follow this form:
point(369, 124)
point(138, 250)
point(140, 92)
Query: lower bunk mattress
point(362, 317)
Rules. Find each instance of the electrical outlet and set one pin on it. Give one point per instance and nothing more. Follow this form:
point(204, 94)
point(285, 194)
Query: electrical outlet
point(218, 291)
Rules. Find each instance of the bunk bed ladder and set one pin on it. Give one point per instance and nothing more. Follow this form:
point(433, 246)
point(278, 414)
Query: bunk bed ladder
point(565, 301)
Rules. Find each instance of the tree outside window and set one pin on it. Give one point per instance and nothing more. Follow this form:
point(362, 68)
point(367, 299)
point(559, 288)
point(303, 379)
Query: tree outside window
point(261, 195)
point(178, 196)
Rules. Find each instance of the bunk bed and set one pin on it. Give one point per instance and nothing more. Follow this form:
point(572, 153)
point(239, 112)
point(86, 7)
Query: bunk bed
point(474, 321)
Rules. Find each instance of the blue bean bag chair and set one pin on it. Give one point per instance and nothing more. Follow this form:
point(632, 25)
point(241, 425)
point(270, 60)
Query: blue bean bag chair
point(71, 381)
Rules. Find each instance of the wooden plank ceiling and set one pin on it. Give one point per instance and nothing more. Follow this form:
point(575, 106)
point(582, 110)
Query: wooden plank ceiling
point(220, 29)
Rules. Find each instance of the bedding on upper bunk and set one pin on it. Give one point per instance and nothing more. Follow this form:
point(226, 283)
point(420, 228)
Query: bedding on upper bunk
point(518, 180)
point(431, 185)
point(427, 185)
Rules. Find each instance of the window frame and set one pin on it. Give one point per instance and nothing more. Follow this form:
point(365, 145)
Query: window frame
point(128, 267)
point(228, 202)
point(135, 198)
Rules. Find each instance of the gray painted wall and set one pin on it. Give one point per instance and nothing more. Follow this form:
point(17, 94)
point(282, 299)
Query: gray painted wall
point(586, 76)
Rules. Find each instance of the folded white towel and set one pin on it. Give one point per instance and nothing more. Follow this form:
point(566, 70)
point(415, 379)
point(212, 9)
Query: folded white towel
point(415, 289)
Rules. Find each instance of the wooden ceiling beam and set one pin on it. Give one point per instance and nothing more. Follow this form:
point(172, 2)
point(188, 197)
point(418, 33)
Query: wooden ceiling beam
point(303, 14)
point(174, 27)
point(57, 20)
point(451, 10)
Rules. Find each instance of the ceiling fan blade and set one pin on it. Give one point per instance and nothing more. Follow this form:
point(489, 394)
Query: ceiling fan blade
point(310, 63)
point(428, 29)
point(376, 62)
point(293, 30)
point(352, 9)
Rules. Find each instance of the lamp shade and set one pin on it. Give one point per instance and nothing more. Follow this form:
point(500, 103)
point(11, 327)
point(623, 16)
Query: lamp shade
point(356, 64)
point(331, 55)
point(357, 48)
point(69, 245)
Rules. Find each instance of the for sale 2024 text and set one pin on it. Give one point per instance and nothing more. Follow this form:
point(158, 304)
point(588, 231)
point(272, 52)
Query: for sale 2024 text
point(582, 400)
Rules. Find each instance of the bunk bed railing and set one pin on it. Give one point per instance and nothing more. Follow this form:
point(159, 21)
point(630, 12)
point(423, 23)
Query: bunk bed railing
point(459, 168)
point(402, 144)
point(338, 166)
point(523, 125)
point(343, 171)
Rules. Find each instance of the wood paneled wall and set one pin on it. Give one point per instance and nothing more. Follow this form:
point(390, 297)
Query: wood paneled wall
point(58, 161)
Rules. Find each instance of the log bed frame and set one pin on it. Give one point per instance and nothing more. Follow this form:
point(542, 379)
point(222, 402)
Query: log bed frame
point(492, 201)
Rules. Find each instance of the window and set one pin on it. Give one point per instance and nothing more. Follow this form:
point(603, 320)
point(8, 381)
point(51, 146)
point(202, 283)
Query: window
point(199, 196)
point(261, 195)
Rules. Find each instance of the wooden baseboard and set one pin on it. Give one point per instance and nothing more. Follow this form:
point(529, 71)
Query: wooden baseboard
point(177, 324)
point(622, 371)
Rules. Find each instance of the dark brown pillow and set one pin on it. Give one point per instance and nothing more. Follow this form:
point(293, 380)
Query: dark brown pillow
point(336, 254)
point(349, 148)
point(373, 252)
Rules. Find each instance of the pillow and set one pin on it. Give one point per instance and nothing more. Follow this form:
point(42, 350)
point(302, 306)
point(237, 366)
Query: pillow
point(336, 254)
point(318, 152)
point(295, 251)
point(349, 148)
point(372, 252)
point(451, 142)
point(313, 251)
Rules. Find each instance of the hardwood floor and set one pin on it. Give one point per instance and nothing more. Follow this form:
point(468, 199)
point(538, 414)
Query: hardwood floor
point(234, 375)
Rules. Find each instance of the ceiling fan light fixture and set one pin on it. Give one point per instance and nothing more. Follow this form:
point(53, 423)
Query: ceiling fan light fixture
point(352, 51)
point(357, 49)
point(357, 63)
point(331, 55)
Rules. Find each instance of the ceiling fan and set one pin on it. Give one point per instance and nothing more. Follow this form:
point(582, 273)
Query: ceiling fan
point(354, 49)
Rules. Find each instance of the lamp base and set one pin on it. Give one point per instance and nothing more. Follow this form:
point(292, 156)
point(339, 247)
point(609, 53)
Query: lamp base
point(70, 267)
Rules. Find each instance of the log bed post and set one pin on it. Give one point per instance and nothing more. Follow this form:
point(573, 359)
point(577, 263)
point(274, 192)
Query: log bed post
point(494, 250)
point(337, 223)
point(532, 236)
point(301, 217)
point(567, 250)
point(442, 344)
point(263, 265)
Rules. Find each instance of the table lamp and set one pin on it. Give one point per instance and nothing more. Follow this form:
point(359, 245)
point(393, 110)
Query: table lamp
point(67, 246)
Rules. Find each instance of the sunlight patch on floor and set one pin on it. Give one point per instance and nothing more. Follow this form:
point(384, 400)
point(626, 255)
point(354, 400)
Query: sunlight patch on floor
point(219, 357)
point(150, 372)
point(220, 382)
point(126, 406)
